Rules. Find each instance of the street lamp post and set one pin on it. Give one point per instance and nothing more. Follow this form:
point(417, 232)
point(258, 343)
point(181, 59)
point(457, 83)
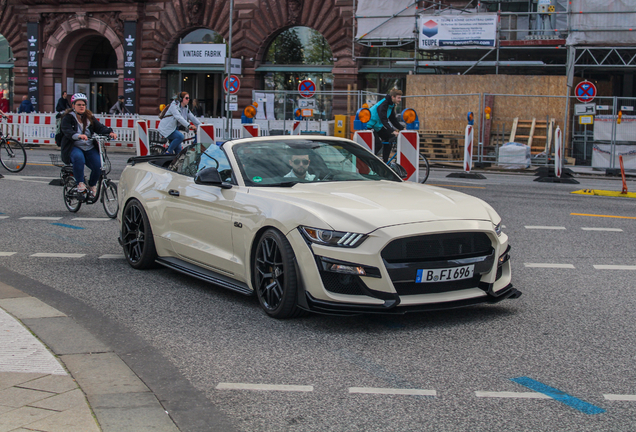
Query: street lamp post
point(228, 61)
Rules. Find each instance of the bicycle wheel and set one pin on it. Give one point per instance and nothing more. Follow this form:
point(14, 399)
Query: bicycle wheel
point(70, 196)
point(109, 198)
point(156, 149)
point(425, 169)
point(12, 155)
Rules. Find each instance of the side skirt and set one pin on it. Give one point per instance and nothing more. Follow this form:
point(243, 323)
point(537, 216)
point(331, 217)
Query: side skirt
point(204, 275)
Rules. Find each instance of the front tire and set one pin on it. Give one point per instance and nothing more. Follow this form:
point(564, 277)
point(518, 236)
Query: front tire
point(275, 278)
point(136, 235)
point(109, 199)
point(13, 156)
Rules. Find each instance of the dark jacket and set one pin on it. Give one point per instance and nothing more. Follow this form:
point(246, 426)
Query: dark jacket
point(69, 128)
point(62, 105)
point(381, 113)
point(26, 107)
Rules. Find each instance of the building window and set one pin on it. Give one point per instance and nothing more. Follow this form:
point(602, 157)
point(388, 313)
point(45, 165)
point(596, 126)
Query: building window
point(6, 75)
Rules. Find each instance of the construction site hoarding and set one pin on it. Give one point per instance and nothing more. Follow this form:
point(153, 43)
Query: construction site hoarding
point(385, 19)
point(602, 22)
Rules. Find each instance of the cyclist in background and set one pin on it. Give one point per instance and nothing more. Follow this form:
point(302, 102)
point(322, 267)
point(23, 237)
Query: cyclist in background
point(381, 113)
point(78, 148)
point(176, 117)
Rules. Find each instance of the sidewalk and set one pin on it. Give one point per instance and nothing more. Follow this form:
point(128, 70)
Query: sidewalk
point(99, 391)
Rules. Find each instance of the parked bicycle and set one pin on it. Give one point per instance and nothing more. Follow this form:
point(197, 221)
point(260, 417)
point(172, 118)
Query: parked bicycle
point(106, 188)
point(13, 156)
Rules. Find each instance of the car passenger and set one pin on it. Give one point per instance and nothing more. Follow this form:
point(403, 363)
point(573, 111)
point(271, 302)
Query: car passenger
point(299, 161)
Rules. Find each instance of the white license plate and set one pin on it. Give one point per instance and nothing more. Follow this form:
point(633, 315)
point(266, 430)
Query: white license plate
point(445, 275)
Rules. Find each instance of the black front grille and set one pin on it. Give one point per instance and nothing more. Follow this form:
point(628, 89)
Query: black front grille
point(437, 247)
point(413, 288)
point(342, 283)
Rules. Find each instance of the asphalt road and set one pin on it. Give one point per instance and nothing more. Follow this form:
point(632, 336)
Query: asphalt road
point(550, 360)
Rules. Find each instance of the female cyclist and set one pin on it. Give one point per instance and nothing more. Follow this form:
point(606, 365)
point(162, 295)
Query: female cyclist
point(78, 126)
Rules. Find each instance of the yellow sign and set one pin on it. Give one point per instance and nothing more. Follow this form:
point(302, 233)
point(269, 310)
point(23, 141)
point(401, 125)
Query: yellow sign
point(586, 119)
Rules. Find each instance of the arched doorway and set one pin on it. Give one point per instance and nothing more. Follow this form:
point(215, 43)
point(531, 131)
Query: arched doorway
point(6, 75)
point(297, 54)
point(95, 72)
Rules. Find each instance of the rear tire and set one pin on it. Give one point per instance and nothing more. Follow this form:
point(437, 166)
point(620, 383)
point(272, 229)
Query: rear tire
point(13, 156)
point(109, 199)
point(136, 235)
point(275, 278)
point(70, 196)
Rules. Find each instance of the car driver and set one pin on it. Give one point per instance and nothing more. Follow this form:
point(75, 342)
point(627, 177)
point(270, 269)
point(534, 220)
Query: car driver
point(299, 162)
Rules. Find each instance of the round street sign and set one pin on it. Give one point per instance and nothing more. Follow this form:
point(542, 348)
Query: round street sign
point(585, 91)
point(234, 85)
point(307, 88)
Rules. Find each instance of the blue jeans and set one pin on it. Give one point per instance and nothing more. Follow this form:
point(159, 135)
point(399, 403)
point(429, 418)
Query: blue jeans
point(91, 159)
point(176, 138)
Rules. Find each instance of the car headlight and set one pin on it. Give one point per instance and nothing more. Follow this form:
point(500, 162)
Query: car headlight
point(332, 238)
point(498, 228)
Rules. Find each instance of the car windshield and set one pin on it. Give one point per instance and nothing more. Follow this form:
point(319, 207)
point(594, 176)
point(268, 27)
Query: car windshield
point(288, 162)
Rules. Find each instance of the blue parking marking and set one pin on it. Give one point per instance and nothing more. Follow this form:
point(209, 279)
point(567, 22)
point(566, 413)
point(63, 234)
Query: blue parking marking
point(558, 395)
point(67, 226)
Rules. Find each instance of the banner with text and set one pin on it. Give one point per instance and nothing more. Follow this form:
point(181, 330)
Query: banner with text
point(130, 69)
point(457, 31)
point(33, 40)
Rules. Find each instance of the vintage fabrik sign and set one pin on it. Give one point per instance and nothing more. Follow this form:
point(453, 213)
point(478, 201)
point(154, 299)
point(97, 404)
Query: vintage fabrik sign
point(202, 53)
point(130, 69)
point(33, 48)
point(457, 31)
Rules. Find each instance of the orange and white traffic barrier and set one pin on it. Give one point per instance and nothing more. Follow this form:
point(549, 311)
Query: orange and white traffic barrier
point(206, 134)
point(365, 139)
point(296, 127)
point(143, 147)
point(408, 154)
point(558, 152)
point(468, 148)
point(251, 130)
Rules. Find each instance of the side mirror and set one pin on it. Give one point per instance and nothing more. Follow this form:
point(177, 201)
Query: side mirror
point(399, 170)
point(211, 177)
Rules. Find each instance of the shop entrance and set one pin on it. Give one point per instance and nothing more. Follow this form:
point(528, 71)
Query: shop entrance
point(103, 96)
point(206, 88)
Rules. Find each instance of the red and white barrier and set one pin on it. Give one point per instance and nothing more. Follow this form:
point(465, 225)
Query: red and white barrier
point(468, 148)
point(296, 128)
point(365, 139)
point(206, 134)
point(143, 147)
point(408, 154)
point(251, 130)
point(558, 152)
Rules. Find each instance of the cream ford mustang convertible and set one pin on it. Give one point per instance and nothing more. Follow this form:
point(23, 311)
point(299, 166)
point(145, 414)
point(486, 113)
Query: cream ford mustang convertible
point(312, 223)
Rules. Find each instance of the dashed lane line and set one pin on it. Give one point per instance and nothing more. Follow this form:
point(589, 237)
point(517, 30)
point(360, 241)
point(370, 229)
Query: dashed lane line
point(548, 265)
point(542, 227)
point(602, 216)
point(601, 229)
point(91, 219)
point(57, 255)
point(112, 256)
point(7, 253)
point(392, 391)
point(264, 387)
point(49, 218)
point(512, 395)
point(4, 217)
point(620, 397)
point(615, 267)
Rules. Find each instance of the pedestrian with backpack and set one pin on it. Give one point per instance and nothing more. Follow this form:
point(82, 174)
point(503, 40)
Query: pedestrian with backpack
point(174, 117)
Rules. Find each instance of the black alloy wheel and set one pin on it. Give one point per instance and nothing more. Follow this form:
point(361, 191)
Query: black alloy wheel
point(136, 235)
point(275, 278)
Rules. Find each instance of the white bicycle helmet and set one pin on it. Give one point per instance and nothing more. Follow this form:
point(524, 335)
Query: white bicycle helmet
point(79, 96)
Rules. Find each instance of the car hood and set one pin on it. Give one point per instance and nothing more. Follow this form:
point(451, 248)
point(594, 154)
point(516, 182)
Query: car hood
point(370, 205)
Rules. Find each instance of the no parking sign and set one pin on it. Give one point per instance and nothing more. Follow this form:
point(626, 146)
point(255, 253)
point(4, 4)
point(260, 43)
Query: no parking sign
point(585, 91)
point(307, 88)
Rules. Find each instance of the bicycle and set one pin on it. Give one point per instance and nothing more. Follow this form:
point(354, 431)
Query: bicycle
point(423, 176)
point(106, 188)
point(13, 156)
point(159, 144)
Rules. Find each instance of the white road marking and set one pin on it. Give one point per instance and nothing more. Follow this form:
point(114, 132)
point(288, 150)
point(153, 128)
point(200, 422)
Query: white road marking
point(91, 219)
point(57, 255)
point(7, 253)
point(519, 395)
point(112, 256)
point(4, 217)
point(615, 267)
point(40, 218)
point(540, 227)
point(617, 397)
point(29, 179)
point(548, 265)
point(602, 229)
point(264, 387)
point(392, 391)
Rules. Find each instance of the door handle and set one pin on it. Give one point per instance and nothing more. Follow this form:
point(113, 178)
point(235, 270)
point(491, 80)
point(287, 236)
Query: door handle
point(173, 192)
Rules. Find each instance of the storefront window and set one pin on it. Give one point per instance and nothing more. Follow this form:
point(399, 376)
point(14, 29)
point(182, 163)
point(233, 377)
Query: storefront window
point(294, 47)
point(6, 75)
